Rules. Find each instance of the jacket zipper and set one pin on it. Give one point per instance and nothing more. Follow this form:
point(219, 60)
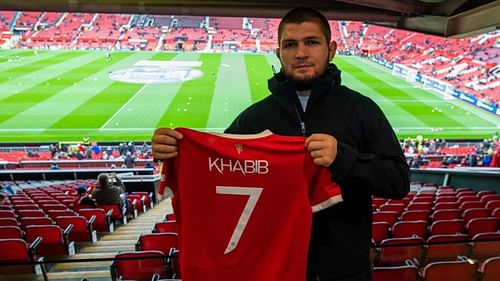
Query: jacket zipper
point(302, 124)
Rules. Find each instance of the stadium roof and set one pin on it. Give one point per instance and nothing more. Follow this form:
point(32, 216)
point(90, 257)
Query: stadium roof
point(451, 18)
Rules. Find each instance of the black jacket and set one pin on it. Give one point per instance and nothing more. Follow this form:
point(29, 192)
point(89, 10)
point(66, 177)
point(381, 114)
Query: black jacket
point(369, 162)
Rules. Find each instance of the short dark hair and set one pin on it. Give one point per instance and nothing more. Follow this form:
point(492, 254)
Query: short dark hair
point(304, 14)
point(103, 180)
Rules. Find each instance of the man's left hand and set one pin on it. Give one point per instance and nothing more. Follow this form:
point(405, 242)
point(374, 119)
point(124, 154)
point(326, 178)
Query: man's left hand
point(323, 149)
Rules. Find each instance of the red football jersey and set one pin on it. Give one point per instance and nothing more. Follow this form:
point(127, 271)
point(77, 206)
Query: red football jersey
point(243, 205)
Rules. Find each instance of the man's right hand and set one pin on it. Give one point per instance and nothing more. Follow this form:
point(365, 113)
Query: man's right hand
point(164, 143)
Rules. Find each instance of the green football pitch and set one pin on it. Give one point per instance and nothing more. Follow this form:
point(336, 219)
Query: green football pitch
point(65, 95)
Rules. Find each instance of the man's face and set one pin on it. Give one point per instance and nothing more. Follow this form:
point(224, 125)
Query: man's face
point(304, 52)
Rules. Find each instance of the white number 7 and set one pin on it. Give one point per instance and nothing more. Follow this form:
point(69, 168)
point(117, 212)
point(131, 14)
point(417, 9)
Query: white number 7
point(253, 193)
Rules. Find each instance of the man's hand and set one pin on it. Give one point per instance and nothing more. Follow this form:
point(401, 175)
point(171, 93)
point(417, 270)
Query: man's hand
point(164, 143)
point(323, 149)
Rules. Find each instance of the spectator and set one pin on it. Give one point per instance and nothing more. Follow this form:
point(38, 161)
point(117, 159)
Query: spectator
point(108, 190)
point(129, 160)
point(3, 199)
point(83, 198)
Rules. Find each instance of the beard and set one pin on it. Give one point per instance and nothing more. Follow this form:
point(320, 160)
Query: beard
point(301, 84)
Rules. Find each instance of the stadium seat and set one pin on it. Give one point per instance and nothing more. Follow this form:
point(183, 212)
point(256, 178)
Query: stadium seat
point(380, 231)
point(445, 247)
point(170, 217)
point(445, 214)
point(445, 199)
point(385, 216)
point(139, 265)
point(447, 227)
point(147, 197)
point(82, 228)
point(7, 214)
point(422, 206)
point(399, 273)
point(165, 226)
point(462, 270)
point(479, 225)
point(54, 240)
point(36, 221)
point(493, 204)
point(26, 207)
point(7, 232)
point(475, 213)
point(57, 213)
point(162, 242)
point(471, 205)
point(445, 206)
point(496, 213)
point(490, 197)
point(31, 213)
point(8, 222)
point(485, 245)
point(398, 208)
point(17, 250)
point(395, 251)
point(102, 221)
point(415, 216)
point(117, 214)
point(483, 193)
point(409, 229)
point(490, 269)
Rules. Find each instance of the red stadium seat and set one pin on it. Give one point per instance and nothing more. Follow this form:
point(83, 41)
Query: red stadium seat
point(8, 222)
point(409, 229)
point(82, 228)
point(485, 245)
point(7, 214)
point(54, 240)
point(147, 197)
point(162, 242)
point(490, 269)
point(165, 226)
point(118, 212)
point(399, 273)
point(445, 206)
point(445, 214)
point(139, 265)
point(491, 197)
point(415, 216)
point(17, 250)
point(480, 225)
point(447, 227)
point(493, 204)
point(445, 199)
point(102, 221)
point(380, 231)
point(7, 232)
point(386, 216)
point(170, 217)
point(57, 213)
point(462, 270)
point(36, 221)
point(445, 247)
point(398, 208)
point(422, 206)
point(475, 213)
point(31, 213)
point(393, 254)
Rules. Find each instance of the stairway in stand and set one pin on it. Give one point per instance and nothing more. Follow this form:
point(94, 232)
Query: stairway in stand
point(122, 239)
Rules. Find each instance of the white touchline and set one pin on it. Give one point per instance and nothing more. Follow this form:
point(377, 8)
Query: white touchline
point(123, 106)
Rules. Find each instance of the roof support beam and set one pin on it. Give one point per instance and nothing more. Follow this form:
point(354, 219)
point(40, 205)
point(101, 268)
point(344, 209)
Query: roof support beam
point(479, 20)
point(407, 8)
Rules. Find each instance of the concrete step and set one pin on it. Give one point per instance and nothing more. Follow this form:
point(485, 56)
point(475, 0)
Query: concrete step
point(108, 249)
point(65, 275)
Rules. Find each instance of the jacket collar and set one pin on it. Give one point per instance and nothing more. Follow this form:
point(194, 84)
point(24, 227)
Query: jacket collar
point(282, 90)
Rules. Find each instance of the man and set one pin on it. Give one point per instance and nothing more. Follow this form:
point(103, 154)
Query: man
point(346, 132)
point(108, 190)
